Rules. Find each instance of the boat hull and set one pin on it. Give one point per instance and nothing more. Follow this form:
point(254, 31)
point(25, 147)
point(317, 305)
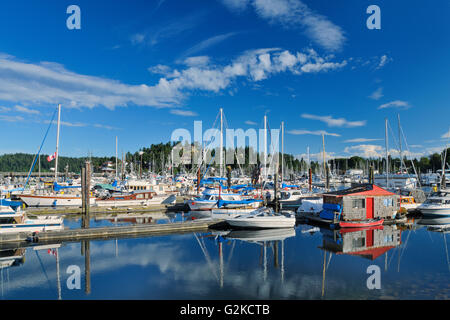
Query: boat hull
point(41, 224)
point(434, 211)
point(264, 223)
point(53, 201)
point(361, 224)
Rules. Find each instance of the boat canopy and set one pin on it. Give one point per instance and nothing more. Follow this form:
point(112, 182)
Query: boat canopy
point(9, 203)
point(58, 187)
point(222, 203)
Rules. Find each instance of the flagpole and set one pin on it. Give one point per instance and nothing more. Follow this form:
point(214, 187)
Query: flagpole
point(57, 143)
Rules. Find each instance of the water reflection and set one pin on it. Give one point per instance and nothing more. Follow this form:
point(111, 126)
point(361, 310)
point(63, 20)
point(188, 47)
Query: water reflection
point(308, 262)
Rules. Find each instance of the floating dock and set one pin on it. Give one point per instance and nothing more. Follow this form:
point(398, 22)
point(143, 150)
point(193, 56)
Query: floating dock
point(315, 218)
point(102, 233)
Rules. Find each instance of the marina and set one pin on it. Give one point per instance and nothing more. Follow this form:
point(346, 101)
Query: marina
point(224, 155)
point(295, 263)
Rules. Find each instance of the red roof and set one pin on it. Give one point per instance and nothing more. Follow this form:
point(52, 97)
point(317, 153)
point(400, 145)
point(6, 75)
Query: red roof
point(364, 190)
point(371, 254)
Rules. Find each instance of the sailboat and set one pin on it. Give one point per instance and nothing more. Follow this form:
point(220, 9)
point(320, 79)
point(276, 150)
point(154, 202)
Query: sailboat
point(401, 180)
point(56, 197)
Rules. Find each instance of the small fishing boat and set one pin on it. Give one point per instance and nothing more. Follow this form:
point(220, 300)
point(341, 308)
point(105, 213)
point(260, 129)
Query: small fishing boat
point(361, 223)
point(263, 218)
point(134, 199)
point(14, 220)
point(436, 205)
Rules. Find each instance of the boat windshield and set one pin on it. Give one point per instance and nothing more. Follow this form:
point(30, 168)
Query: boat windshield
point(434, 201)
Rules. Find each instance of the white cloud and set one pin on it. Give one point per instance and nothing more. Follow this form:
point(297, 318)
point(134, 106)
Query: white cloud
point(317, 133)
point(295, 14)
point(377, 94)
point(236, 5)
point(359, 140)
point(251, 123)
point(446, 135)
point(332, 122)
point(383, 61)
point(26, 110)
point(68, 124)
point(365, 151)
point(104, 126)
point(11, 118)
point(160, 69)
point(197, 61)
point(205, 44)
point(184, 113)
point(50, 83)
point(395, 104)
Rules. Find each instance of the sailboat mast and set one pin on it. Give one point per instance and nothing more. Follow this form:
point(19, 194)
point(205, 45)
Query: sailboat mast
point(57, 143)
point(387, 152)
point(282, 152)
point(265, 148)
point(400, 143)
point(221, 142)
point(116, 159)
point(324, 165)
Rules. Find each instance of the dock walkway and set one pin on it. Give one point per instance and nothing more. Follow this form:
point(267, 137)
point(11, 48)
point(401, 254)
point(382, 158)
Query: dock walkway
point(74, 235)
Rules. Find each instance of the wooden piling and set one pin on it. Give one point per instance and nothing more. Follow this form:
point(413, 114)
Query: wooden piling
point(85, 193)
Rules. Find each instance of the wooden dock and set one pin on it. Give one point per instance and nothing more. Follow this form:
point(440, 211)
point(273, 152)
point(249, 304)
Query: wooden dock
point(178, 207)
point(104, 233)
point(314, 218)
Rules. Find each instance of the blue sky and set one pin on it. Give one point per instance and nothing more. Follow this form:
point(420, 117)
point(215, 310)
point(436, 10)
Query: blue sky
point(140, 69)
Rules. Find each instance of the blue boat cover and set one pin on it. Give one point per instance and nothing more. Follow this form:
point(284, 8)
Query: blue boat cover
point(9, 203)
point(326, 214)
point(332, 207)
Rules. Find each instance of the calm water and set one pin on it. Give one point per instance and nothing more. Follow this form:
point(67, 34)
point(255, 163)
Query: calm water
point(310, 263)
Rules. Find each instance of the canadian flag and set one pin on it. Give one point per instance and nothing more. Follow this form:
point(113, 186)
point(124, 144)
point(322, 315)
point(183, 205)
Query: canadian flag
point(52, 252)
point(51, 157)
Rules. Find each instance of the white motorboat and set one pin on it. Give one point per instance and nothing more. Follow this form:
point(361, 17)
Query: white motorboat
point(262, 219)
point(274, 234)
point(210, 198)
point(291, 198)
point(14, 221)
point(396, 181)
point(311, 205)
point(437, 204)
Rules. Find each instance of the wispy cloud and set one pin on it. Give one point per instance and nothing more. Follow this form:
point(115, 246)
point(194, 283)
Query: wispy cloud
point(377, 94)
point(207, 43)
point(396, 104)
point(251, 123)
point(295, 14)
point(68, 124)
point(184, 113)
point(26, 110)
point(446, 135)
point(11, 118)
point(50, 83)
point(198, 61)
point(104, 126)
point(359, 140)
point(155, 35)
point(383, 61)
point(316, 133)
point(332, 122)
